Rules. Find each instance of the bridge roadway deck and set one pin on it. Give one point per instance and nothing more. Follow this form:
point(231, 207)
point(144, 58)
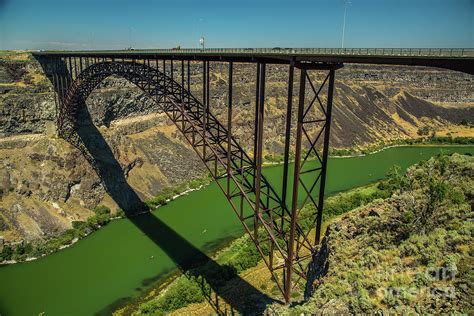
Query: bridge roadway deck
point(461, 59)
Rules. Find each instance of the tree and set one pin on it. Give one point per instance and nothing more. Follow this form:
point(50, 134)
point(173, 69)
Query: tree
point(7, 253)
point(423, 131)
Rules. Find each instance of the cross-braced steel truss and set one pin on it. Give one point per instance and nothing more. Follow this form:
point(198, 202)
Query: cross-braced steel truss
point(284, 230)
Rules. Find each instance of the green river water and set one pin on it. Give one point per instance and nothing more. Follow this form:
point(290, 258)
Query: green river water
point(119, 261)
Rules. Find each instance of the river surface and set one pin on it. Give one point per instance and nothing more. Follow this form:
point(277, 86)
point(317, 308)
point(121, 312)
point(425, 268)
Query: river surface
point(120, 261)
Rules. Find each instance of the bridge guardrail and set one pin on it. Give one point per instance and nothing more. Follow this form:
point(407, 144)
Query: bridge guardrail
point(405, 52)
point(389, 52)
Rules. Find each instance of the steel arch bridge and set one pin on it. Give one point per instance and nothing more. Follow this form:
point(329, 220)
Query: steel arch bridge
point(273, 218)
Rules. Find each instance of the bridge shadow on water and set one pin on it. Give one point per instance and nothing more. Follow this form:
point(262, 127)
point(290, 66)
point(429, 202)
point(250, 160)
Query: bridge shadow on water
point(190, 260)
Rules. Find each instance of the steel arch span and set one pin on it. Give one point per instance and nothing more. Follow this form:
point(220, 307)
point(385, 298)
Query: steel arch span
point(273, 221)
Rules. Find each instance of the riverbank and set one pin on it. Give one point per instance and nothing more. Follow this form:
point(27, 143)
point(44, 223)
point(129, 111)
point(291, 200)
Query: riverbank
point(421, 141)
point(374, 149)
point(427, 144)
point(26, 252)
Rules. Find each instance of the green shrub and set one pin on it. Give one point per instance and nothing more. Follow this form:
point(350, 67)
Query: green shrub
point(456, 195)
point(157, 201)
point(363, 300)
point(120, 213)
point(78, 225)
point(101, 210)
point(6, 253)
point(67, 236)
point(246, 257)
point(181, 293)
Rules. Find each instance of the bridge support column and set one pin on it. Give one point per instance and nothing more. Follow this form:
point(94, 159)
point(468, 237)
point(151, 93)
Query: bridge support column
point(313, 121)
point(60, 72)
point(327, 131)
point(258, 141)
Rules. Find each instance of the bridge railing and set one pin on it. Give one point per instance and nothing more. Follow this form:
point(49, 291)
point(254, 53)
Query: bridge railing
point(389, 52)
point(408, 52)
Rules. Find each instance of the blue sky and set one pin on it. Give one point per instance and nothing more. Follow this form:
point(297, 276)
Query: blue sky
point(116, 24)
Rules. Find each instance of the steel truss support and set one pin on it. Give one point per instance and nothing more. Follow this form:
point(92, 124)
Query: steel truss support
point(310, 165)
point(280, 225)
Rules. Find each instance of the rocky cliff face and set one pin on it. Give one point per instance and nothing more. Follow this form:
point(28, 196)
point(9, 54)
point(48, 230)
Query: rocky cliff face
point(45, 183)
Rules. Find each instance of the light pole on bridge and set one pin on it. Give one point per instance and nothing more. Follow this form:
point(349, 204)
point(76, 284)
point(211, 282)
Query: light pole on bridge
point(346, 2)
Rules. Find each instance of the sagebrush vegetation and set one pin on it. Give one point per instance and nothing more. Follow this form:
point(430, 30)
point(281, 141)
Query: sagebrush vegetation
point(411, 253)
